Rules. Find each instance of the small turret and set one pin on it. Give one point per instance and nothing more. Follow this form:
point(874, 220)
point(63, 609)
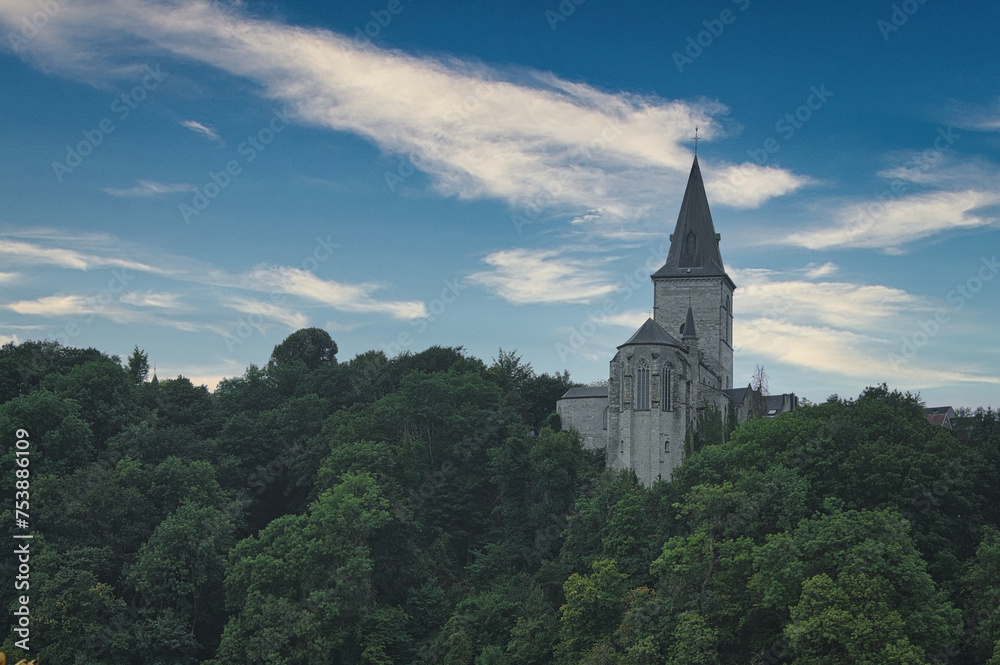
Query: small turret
point(689, 330)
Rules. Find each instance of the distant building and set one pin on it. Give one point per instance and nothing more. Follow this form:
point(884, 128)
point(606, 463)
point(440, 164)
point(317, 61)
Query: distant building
point(941, 415)
point(676, 364)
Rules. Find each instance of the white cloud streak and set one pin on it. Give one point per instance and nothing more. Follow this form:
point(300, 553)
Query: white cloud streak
point(148, 188)
point(344, 297)
point(527, 276)
point(528, 138)
point(828, 350)
point(270, 312)
point(199, 128)
point(32, 253)
point(890, 224)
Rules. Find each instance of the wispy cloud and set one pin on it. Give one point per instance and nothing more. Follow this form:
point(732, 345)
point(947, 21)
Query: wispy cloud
point(528, 138)
point(199, 128)
point(344, 297)
point(841, 328)
point(814, 271)
point(842, 304)
point(271, 280)
point(116, 311)
point(889, 225)
point(750, 185)
point(975, 117)
point(270, 312)
point(837, 351)
point(169, 301)
point(33, 253)
point(144, 188)
point(525, 276)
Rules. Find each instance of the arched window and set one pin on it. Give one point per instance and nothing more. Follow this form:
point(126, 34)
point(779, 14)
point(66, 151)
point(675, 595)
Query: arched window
point(666, 445)
point(692, 244)
point(668, 379)
point(642, 386)
point(606, 409)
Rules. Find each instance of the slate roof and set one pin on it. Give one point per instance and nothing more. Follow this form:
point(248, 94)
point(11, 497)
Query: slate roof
point(694, 244)
point(737, 394)
point(690, 332)
point(937, 410)
point(580, 392)
point(652, 332)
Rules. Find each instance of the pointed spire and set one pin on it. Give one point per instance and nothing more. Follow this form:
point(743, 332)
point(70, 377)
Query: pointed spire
point(694, 244)
point(689, 330)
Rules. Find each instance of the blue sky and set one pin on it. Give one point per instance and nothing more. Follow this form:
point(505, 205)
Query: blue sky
point(203, 178)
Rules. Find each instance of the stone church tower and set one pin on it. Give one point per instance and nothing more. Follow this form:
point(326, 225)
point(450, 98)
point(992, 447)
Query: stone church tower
point(681, 359)
point(677, 363)
point(694, 276)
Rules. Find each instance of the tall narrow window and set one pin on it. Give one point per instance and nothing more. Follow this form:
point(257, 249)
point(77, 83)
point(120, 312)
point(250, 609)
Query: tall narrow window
point(642, 386)
point(667, 401)
point(606, 416)
point(621, 389)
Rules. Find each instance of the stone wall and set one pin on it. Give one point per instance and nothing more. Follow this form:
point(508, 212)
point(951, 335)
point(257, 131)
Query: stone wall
point(707, 297)
point(586, 415)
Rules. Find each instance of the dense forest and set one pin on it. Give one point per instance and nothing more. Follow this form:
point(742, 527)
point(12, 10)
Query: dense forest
point(429, 508)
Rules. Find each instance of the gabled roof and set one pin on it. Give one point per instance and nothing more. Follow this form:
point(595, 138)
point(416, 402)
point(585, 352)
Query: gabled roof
point(652, 332)
point(938, 410)
point(737, 394)
point(694, 244)
point(581, 392)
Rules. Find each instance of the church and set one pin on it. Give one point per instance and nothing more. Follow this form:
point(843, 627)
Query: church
point(677, 364)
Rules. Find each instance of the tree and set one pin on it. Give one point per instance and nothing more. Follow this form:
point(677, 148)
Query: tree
point(759, 380)
point(104, 391)
point(298, 590)
point(848, 622)
point(312, 346)
point(138, 366)
point(695, 641)
point(594, 607)
point(178, 576)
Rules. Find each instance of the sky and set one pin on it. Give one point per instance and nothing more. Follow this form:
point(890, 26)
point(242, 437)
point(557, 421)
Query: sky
point(202, 178)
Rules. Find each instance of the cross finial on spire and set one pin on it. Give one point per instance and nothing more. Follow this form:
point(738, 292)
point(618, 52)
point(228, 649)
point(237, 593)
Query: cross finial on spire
point(695, 139)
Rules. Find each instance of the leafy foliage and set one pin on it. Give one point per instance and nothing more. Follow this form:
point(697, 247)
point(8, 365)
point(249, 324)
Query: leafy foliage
point(429, 509)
